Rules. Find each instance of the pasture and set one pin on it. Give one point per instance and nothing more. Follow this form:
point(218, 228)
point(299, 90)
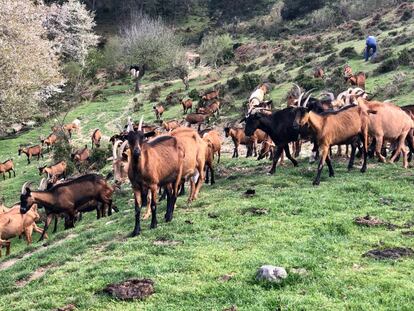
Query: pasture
point(207, 257)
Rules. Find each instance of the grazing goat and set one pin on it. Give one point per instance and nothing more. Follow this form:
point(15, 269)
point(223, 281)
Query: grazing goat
point(31, 152)
point(154, 164)
point(212, 108)
point(54, 171)
point(81, 155)
point(213, 137)
point(333, 128)
point(319, 73)
point(187, 105)
point(267, 150)
point(354, 79)
point(158, 110)
point(196, 118)
point(210, 95)
point(96, 138)
point(50, 140)
point(170, 125)
point(13, 223)
point(239, 138)
point(68, 197)
point(7, 167)
point(74, 126)
point(389, 123)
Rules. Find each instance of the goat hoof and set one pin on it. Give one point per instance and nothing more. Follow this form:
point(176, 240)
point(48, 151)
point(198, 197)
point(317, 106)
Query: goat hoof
point(153, 226)
point(363, 170)
point(316, 183)
point(331, 175)
point(134, 234)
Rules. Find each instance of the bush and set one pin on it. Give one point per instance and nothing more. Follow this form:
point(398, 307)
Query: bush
point(308, 82)
point(61, 152)
point(233, 83)
point(297, 8)
point(98, 157)
point(194, 94)
point(408, 14)
point(349, 52)
point(250, 81)
point(406, 57)
point(155, 94)
point(387, 65)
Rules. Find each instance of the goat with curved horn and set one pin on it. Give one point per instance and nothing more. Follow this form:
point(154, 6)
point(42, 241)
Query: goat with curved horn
point(26, 185)
point(140, 123)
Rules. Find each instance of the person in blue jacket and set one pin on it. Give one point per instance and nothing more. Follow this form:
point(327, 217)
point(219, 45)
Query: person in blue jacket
point(371, 45)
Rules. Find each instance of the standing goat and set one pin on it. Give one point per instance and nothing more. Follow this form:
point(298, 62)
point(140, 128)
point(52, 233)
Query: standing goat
point(7, 167)
point(154, 164)
point(68, 197)
point(31, 152)
point(158, 110)
point(54, 171)
point(96, 138)
point(187, 105)
point(354, 79)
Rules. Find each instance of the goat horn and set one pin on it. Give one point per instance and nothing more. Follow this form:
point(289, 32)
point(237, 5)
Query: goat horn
point(297, 86)
point(122, 148)
point(140, 123)
point(330, 94)
point(307, 100)
point(114, 149)
point(26, 185)
point(43, 184)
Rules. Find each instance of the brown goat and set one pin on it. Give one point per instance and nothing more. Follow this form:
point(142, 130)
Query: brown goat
point(31, 152)
point(170, 125)
point(319, 73)
point(210, 95)
point(334, 128)
point(354, 79)
point(212, 108)
point(54, 171)
point(81, 155)
point(68, 197)
point(50, 140)
point(390, 123)
point(267, 149)
point(194, 160)
point(214, 138)
point(154, 164)
point(158, 110)
point(239, 138)
point(13, 223)
point(187, 105)
point(7, 167)
point(196, 118)
point(96, 138)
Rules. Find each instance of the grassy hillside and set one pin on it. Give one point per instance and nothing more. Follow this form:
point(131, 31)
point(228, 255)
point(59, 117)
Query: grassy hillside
point(206, 258)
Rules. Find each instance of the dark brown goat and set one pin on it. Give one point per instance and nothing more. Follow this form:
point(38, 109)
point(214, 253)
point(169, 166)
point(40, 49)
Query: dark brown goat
point(158, 110)
point(7, 167)
point(187, 105)
point(154, 164)
point(96, 138)
point(68, 197)
point(30, 152)
point(196, 118)
point(319, 73)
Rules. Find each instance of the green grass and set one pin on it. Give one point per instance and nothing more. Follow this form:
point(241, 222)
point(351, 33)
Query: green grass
point(305, 227)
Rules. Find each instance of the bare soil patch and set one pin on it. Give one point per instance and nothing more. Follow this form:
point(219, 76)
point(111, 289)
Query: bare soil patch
point(69, 307)
point(131, 289)
point(389, 253)
point(166, 242)
point(255, 211)
point(39, 272)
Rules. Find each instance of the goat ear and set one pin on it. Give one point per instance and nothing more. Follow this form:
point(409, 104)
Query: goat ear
point(149, 134)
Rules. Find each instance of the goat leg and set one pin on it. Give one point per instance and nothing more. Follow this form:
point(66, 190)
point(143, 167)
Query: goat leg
point(153, 207)
point(276, 157)
point(137, 228)
point(352, 158)
point(289, 156)
point(325, 152)
point(47, 222)
point(56, 222)
point(330, 167)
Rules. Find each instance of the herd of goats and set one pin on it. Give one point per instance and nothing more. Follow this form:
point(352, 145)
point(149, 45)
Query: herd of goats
point(157, 161)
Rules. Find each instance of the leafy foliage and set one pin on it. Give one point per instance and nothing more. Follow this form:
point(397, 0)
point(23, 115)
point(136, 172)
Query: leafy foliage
point(217, 50)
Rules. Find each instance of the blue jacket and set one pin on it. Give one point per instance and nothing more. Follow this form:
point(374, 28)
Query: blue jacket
point(371, 41)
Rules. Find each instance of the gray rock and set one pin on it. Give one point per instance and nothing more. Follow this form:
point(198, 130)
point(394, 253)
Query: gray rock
point(271, 274)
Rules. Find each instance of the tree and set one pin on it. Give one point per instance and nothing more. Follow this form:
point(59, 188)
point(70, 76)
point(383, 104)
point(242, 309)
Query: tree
point(29, 69)
point(297, 8)
point(70, 26)
point(150, 43)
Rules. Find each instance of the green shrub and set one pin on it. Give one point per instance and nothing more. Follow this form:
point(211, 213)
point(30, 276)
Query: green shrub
point(194, 94)
point(349, 52)
point(408, 14)
point(308, 82)
point(250, 81)
point(406, 57)
point(61, 152)
point(217, 50)
point(387, 65)
point(233, 83)
point(155, 94)
point(98, 157)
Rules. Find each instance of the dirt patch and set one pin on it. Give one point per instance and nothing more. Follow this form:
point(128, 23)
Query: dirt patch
point(389, 253)
point(69, 307)
point(39, 272)
point(11, 262)
point(212, 215)
point(131, 289)
point(232, 308)
point(226, 277)
point(166, 242)
point(368, 221)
